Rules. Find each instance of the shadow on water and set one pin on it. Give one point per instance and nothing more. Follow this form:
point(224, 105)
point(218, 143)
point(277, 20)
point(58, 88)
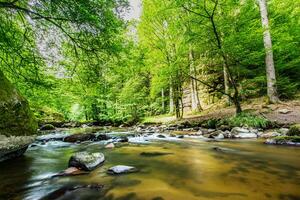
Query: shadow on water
point(13, 178)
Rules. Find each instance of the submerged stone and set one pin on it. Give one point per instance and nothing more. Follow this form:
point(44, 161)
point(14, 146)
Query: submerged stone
point(68, 190)
point(153, 154)
point(121, 169)
point(86, 161)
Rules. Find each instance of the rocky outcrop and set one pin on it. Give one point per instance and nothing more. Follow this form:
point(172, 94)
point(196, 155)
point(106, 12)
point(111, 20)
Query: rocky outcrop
point(12, 147)
point(121, 169)
point(86, 161)
point(15, 115)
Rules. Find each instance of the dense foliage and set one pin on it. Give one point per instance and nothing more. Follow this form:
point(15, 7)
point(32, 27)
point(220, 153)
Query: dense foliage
point(84, 61)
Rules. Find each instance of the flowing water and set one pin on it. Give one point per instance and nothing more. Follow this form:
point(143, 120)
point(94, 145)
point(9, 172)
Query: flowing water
point(247, 169)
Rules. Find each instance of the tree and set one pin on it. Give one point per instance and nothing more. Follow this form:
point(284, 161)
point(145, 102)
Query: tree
point(270, 69)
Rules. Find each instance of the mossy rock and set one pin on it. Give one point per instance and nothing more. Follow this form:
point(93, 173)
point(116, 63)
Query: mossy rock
point(16, 117)
point(294, 130)
point(295, 139)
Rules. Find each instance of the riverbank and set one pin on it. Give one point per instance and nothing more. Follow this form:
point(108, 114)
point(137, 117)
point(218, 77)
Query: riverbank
point(282, 114)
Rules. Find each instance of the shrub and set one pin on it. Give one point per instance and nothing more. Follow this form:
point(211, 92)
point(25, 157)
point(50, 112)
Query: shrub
point(294, 130)
point(248, 119)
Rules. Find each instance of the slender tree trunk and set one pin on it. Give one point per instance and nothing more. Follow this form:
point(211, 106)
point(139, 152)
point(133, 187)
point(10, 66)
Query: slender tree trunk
point(195, 101)
point(270, 69)
point(163, 100)
point(171, 100)
point(226, 81)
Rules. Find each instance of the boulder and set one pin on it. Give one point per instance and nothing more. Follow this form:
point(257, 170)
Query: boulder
point(86, 161)
point(16, 117)
point(122, 139)
point(242, 133)
point(220, 136)
point(79, 137)
point(12, 147)
point(101, 137)
point(270, 134)
point(121, 169)
point(47, 127)
point(214, 134)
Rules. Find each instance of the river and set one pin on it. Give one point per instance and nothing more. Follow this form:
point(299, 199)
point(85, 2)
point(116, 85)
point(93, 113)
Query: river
point(194, 170)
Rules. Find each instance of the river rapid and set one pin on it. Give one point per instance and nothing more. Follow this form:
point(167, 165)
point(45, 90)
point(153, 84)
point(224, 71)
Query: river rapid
point(192, 169)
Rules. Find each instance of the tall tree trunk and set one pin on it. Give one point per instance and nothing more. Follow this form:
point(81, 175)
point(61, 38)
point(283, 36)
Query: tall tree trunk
point(226, 81)
point(171, 93)
point(195, 101)
point(270, 69)
point(163, 100)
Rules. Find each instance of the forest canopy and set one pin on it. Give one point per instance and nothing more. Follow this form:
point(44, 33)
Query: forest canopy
point(83, 61)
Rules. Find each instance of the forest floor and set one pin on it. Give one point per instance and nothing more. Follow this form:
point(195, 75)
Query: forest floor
point(284, 113)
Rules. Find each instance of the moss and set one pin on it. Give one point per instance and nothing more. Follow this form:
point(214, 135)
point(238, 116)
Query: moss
point(16, 117)
point(294, 130)
point(281, 139)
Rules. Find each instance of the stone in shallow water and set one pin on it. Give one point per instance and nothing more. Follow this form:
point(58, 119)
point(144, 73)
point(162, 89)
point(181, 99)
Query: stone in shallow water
point(79, 138)
point(152, 154)
point(86, 161)
point(110, 146)
point(121, 169)
point(238, 132)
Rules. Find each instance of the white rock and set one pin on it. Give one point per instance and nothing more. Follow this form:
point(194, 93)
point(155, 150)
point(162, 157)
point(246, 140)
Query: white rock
point(121, 169)
point(246, 135)
point(220, 136)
